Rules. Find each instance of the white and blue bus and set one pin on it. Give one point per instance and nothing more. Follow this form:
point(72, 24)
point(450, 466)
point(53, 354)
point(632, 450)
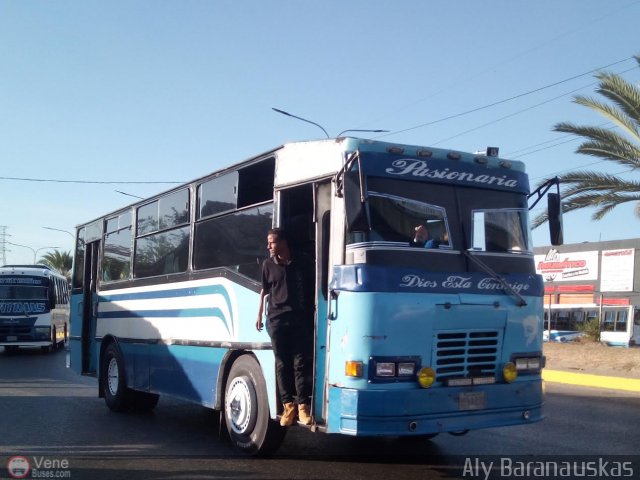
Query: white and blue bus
point(409, 341)
point(34, 307)
point(619, 324)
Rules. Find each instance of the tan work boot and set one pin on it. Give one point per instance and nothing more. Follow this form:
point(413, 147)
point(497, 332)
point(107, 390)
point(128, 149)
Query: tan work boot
point(288, 417)
point(304, 414)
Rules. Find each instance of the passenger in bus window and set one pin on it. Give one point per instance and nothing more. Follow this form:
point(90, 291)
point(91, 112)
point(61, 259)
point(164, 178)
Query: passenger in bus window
point(437, 242)
point(420, 237)
point(287, 277)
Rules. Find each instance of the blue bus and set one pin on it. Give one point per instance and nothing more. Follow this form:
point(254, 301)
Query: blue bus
point(34, 307)
point(409, 340)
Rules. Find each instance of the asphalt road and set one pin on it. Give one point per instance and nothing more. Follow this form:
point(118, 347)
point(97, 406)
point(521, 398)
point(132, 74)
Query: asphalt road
point(49, 414)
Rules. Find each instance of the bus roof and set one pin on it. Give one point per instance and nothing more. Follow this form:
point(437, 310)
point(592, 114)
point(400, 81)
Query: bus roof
point(41, 270)
point(306, 160)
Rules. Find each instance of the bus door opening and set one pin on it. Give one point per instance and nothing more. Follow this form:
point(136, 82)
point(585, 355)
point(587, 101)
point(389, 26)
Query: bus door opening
point(90, 308)
point(305, 215)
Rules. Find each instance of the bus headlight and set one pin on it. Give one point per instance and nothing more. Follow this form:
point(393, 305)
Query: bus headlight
point(43, 332)
point(426, 377)
point(385, 369)
point(393, 369)
point(529, 364)
point(510, 372)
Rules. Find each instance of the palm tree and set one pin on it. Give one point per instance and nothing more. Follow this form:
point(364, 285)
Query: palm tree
point(61, 261)
point(604, 191)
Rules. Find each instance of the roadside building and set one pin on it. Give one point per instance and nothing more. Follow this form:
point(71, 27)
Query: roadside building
point(592, 282)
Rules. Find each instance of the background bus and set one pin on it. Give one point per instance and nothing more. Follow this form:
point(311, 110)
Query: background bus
point(619, 324)
point(34, 307)
point(409, 341)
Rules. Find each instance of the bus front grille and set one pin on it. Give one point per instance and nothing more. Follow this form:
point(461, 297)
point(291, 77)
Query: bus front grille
point(466, 354)
point(14, 330)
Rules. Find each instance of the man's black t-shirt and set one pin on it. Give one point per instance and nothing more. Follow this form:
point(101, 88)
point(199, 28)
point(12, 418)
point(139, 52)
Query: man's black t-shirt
point(290, 286)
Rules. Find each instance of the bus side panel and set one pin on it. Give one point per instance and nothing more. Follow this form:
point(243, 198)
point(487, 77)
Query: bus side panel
point(82, 340)
point(75, 339)
point(320, 360)
point(174, 337)
point(187, 372)
point(60, 319)
point(183, 371)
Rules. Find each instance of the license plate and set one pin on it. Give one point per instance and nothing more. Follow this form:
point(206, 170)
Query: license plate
point(471, 401)
point(12, 338)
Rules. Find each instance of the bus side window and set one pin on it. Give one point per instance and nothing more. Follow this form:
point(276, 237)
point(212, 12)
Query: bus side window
point(52, 293)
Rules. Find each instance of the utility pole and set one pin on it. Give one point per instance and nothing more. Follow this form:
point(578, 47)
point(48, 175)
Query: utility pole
point(3, 239)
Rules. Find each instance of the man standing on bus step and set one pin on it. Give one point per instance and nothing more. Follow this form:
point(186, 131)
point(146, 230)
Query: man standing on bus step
point(288, 279)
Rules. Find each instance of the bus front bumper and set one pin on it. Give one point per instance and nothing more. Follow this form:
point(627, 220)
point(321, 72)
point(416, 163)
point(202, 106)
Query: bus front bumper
point(25, 344)
point(428, 411)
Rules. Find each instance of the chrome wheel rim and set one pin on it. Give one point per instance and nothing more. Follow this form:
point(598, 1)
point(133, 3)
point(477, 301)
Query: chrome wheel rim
point(113, 377)
point(238, 405)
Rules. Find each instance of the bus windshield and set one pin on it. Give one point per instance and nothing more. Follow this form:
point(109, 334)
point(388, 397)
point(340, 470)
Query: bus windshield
point(21, 292)
point(394, 219)
point(449, 218)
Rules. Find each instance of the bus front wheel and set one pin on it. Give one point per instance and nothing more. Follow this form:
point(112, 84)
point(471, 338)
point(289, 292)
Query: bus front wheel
point(53, 346)
point(246, 410)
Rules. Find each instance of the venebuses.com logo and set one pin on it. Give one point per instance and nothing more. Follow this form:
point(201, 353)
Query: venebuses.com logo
point(18, 467)
point(38, 467)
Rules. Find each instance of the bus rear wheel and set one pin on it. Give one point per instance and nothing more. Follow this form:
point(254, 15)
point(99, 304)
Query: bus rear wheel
point(114, 386)
point(117, 396)
point(246, 410)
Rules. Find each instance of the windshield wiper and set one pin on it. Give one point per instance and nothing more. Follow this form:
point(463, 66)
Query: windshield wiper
point(508, 288)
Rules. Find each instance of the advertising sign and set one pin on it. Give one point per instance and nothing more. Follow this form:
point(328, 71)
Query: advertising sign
point(567, 266)
point(617, 270)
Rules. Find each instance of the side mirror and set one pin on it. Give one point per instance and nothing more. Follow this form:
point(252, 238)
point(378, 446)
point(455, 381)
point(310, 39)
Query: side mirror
point(554, 213)
point(355, 206)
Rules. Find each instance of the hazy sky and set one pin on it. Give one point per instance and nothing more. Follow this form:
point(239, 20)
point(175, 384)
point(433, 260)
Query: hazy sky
point(167, 91)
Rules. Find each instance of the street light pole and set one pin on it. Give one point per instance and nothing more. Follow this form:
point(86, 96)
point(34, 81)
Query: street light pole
point(34, 251)
point(60, 230)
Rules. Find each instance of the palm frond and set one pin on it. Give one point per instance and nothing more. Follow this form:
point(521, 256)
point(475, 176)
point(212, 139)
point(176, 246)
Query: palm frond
point(603, 143)
point(603, 191)
point(622, 153)
point(622, 93)
point(617, 116)
point(577, 182)
point(539, 219)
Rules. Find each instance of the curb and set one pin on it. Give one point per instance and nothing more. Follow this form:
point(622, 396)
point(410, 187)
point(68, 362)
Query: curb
point(589, 380)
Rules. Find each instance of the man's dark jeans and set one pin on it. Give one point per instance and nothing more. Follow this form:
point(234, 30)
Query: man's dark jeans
point(292, 341)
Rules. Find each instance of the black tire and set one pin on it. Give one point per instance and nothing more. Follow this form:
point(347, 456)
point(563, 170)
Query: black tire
point(113, 382)
point(246, 410)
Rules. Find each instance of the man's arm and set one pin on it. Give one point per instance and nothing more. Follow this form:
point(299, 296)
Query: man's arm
point(259, 323)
